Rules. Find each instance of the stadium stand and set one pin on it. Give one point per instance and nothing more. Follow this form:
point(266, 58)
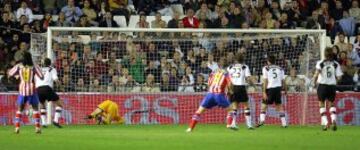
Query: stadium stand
point(282, 14)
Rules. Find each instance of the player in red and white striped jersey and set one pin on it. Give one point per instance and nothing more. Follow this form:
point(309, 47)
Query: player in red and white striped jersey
point(26, 71)
point(219, 83)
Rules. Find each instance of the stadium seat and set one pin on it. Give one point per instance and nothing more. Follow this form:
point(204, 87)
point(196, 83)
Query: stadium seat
point(121, 21)
point(55, 17)
point(352, 39)
point(38, 17)
point(337, 39)
point(328, 42)
point(133, 20)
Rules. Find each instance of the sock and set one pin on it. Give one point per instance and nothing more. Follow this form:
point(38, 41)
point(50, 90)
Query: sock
point(233, 123)
point(43, 116)
point(333, 114)
point(195, 118)
point(248, 117)
point(18, 119)
point(57, 115)
point(324, 120)
point(229, 118)
point(262, 116)
point(283, 119)
point(36, 117)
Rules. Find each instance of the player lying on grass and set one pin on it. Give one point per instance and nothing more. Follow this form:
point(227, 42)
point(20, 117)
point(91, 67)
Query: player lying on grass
point(25, 71)
point(106, 113)
point(218, 82)
point(240, 75)
point(274, 80)
point(47, 93)
point(327, 73)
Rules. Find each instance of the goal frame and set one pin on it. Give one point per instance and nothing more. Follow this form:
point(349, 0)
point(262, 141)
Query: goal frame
point(50, 30)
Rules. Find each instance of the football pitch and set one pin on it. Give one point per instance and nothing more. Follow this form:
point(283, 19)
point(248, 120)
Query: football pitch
point(170, 137)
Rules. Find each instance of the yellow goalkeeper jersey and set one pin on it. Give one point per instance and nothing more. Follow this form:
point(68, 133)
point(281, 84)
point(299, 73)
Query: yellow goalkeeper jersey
point(110, 111)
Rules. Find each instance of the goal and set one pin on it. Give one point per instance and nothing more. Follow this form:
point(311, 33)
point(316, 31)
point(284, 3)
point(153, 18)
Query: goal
point(158, 76)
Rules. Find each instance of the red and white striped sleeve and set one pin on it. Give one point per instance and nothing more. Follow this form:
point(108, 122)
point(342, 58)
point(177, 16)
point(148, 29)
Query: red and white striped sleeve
point(14, 71)
point(38, 72)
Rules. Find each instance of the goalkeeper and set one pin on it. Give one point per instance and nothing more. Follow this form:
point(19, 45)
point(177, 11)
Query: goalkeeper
point(106, 113)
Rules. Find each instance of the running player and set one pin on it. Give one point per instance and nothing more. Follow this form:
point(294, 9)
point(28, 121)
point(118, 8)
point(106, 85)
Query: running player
point(218, 82)
point(25, 71)
point(274, 80)
point(240, 75)
point(47, 93)
point(326, 75)
point(106, 113)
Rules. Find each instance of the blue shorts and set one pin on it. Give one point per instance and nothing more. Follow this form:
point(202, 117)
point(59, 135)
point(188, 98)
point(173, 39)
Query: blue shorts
point(32, 99)
point(212, 99)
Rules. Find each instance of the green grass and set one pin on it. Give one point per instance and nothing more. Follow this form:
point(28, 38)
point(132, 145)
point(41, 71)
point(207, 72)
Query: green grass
point(146, 137)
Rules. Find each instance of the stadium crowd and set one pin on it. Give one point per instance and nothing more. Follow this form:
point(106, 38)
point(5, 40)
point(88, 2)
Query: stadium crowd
point(182, 63)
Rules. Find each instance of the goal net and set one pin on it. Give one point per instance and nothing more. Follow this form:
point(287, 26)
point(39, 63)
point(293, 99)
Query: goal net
point(159, 76)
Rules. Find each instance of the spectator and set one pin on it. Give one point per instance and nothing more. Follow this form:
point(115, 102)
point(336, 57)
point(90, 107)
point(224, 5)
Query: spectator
point(72, 12)
point(268, 22)
point(19, 54)
point(341, 43)
point(108, 21)
point(158, 22)
point(136, 69)
point(83, 22)
point(152, 69)
point(102, 9)
point(333, 28)
point(47, 21)
point(355, 53)
point(337, 13)
point(347, 24)
point(205, 10)
point(131, 85)
point(145, 6)
point(114, 85)
point(215, 14)
point(187, 81)
point(66, 85)
point(342, 58)
point(7, 23)
point(285, 23)
point(25, 10)
point(8, 9)
point(118, 7)
point(315, 21)
point(173, 23)
point(356, 80)
point(62, 22)
point(190, 21)
point(150, 84)
point(346, 82)
point(238, 18)
point(142, 22)
point(80, 86)
point(294, 83)
point(200, 85)
point(96, 87)
point(166, 85)
point(275, 10)
point(49, 6)
point(89, 11)
point(354, 11)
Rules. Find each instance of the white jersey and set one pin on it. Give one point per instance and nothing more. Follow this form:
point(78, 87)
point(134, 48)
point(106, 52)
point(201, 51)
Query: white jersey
point(50, 75)
point(274, 74)
point(238, 74)
point(329, 70)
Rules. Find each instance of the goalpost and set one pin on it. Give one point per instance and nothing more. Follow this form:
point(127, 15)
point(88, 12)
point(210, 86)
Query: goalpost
point(95, 64)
